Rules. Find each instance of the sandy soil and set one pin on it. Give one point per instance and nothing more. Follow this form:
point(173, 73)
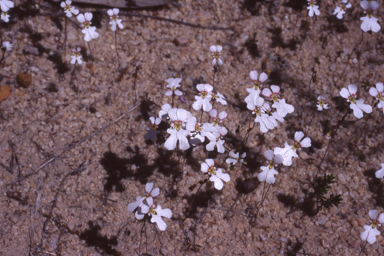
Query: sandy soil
point(77, 203)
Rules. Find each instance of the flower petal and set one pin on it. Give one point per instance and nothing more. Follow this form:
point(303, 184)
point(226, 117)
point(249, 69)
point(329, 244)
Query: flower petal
point(149, 201)
point(204, 167)
point(163, 212)
point(266, 92)
point(372, 214)
point(373, 92)
point(275, 88)
point(306, 143)
point(210, 162)
point(224, 176)
point(254, 75)
point(299, 136)
point(263, 77)
point(155, 192)
point(269, 154)
point(380, 87)
point(80, 18)
point(364, 5)
point(159, 221)
point(374, 5)
point(352, 88)
point(132, 206)
point(357, 112)
point(344, 93)
point(88, 16)
point(365, 107)
point(217, 182)
point(148, 187)
point(278, 159)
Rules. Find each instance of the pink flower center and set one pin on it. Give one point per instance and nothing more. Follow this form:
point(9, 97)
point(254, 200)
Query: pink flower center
point(352, 99)
point(211, 170)
point(178, 124)
point(380, 96)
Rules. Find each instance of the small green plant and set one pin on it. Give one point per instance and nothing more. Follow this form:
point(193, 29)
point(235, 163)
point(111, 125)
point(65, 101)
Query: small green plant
point(321, 186)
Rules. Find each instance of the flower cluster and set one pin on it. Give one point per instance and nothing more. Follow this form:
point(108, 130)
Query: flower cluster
point(357, 105)
point(234, 158)
point(216, 53)
point(68, 9)
point(113, 13)
point(152, 132)
point(288, 152)
point(321, 103)
point(313, 8)
point(88, 31)
point(378, 94)
point(6, 46)
point(264, 115)
point(371, 231)
point(5, 5)
point(216, 174)
point(340, 10)
point(144, 205)
point(76, 57)
point(369, 22)
point(268, 172)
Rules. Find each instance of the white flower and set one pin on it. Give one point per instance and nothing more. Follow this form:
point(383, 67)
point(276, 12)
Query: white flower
point(114, 20)
point(76, 56)
point(217, 175)
point(369, 22)
point(179, 118)
point(204, 97)
point(219, 98)
point(321, 103)
point(215, 135)
point(339, 11)
point(163, 113)
point(290, 151)
point(313, 9)
point(173, 84)
point(287, 153)
point(254, 92)
point(234, 157)
point(152, 133)
point(4, 16)
point(217, 119)
point(68, 9)
point(156, 214)
point(380, 173)
point(358, 106)
point(282, 108)
point(7, 46)
point(88, 31)
point(269, 172)
point(371, 231)
point(139, 200)
point(378, 94)
point(273, 116)
point(6, 5)
point(266, 122)
point(216, 52)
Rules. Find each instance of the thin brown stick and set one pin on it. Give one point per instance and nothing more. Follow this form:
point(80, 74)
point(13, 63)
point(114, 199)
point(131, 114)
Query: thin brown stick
point(72, 145)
